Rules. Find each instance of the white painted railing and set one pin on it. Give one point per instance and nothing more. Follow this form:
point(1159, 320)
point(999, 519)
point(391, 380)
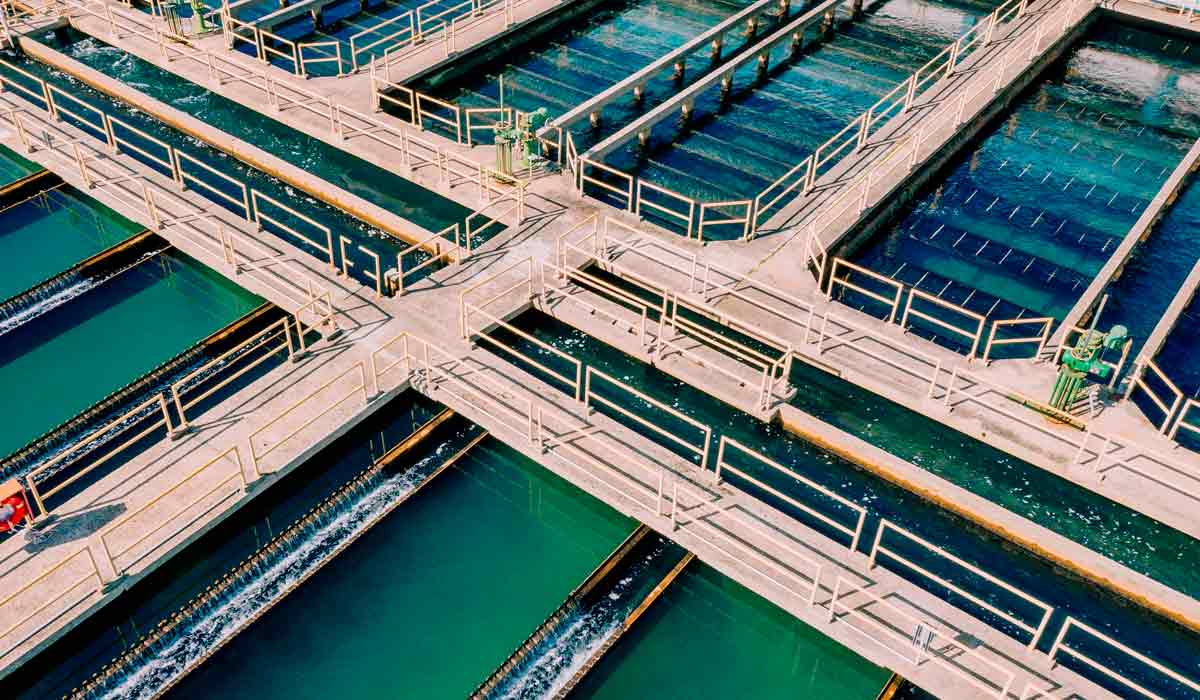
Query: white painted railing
point(854, 531)
point(1169, 404)
point(915, 640)
point(1062, 648)
point(881, 550)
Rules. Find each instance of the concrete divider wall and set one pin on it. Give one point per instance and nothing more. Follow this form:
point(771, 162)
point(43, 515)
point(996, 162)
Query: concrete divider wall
point(927, 171)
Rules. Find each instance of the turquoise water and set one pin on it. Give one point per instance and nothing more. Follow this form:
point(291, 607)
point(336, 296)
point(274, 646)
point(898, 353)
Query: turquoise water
point(735, 147)
point(432, 598)
point(1024, 219)
point(708, 637)
point(51, 231)
point(580, 60)
point(1162, 640)
point(60, 363)
point(69, 662)
point(14, 166)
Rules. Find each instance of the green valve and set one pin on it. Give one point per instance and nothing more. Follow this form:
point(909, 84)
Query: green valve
point(1085, 358)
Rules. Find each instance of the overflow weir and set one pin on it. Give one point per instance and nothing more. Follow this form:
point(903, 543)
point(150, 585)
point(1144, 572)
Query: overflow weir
point(157, 641)
point(595, 473)
point(556, 656)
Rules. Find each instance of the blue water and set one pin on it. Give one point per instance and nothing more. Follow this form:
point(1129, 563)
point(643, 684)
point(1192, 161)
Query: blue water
point(1178, 359)
point(733, 148)
point(573, 63)
point(1025, 218)
point(1165, 642)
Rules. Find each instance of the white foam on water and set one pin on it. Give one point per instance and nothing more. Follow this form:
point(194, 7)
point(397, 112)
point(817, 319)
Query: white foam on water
point(230, 617)
point(48, 303)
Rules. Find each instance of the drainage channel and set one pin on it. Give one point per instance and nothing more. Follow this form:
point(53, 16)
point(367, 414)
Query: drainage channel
point(1162, 640)
point(311, 225)
point(430, 599)
point(1143, 291)
point(165, 655)
point(78, 279)
point(1119, 533)
point(1024, 219)
point(708, 637)
point(376, 185)
point(572, 638)
point(86, 654)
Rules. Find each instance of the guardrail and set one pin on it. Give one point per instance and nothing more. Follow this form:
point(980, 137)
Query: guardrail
point(801, 179)
point(1168, 405)
point(109, 131)
point(42, 582)
point(1062, 648)
point(270, 443)
point(884, 623)
point(272, 49)
point(854, 531)
point(115, 551)
point(1045, 610)
point(425, 29)
point(282, 95)
point(897, 102)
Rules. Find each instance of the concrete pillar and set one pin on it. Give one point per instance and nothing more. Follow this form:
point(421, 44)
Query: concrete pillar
point(827, 23)
point(763, 65)
point(717, 45)
point(751, 27)
point(856, 8)
point(639, 92)
point(797, 43)
point(318, 18)
point(594, 119)
point(680, 68)
point(785, 6)
point(687, 111)
point(643, 137)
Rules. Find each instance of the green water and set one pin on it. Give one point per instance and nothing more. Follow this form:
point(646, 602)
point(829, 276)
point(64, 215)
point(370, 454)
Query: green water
point(708, 637)
point(432, 598)
point(14, 166)
point(60, 363)
point(51, 231)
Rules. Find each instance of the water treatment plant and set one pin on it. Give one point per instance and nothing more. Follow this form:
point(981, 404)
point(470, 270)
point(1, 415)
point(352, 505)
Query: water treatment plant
point(600, 349)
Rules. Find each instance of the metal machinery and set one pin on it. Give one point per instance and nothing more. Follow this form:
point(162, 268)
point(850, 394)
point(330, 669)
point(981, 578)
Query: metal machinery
point(1086, 357)
point(517, 143)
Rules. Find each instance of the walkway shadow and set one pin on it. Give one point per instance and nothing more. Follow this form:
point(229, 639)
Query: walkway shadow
point(68, 528)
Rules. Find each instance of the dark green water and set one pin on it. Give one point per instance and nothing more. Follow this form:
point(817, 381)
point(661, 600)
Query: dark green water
point(1162, 640)
point(51, 231)
point(14, 166)
point(60, 363)
point(431, 599)
point(72, 660)
point(708, 637)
